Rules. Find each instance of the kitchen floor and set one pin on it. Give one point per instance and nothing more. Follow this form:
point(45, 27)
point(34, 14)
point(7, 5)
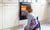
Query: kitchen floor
point(43, 27)
point(20, 27)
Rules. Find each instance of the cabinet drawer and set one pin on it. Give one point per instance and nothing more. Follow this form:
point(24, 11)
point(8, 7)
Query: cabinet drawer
point(10, 1)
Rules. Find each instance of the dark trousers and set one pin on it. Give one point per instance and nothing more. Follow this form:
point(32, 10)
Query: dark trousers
point(34, 29)
point(29, 29)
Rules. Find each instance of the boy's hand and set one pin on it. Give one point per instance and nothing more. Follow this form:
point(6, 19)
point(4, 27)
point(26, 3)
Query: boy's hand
point(27, 29)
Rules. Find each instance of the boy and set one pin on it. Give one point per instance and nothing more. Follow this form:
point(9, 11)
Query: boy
point(32, 22)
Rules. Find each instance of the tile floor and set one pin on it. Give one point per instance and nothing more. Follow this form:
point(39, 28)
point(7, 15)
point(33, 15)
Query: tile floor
point(43, 27)
point(20, 27)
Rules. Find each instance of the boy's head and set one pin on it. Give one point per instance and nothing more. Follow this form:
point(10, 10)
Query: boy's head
point(29, 9)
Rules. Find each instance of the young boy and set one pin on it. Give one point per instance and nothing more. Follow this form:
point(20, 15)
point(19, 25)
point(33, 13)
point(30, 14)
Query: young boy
point(32, 22)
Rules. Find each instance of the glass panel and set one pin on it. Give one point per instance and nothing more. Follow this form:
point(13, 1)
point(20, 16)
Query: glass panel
point(36, 0)
point(33, 1)
point(25, 0)
point(39, 1)
point(29, 0)
point(20, 0)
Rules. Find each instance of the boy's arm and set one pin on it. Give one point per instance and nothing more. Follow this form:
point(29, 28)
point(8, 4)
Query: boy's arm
point(34, 24)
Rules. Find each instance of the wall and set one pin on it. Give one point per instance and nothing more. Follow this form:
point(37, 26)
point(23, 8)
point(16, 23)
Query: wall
point(40, 10)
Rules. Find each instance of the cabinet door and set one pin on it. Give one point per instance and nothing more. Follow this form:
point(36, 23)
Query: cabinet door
point(10, 15)
point(0, 16)
point(10, 1)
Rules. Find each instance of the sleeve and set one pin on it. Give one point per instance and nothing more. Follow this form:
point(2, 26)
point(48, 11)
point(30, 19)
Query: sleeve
point(33, 23)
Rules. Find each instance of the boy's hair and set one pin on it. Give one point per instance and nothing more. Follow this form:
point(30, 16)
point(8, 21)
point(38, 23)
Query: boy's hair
point(29, 9)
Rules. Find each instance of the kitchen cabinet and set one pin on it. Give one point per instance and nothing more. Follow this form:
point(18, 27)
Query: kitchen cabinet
point(0, 1)
point(10, 15)
point(1, 16)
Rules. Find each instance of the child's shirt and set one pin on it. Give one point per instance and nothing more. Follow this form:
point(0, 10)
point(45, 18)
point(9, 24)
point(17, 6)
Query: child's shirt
point(32, 21)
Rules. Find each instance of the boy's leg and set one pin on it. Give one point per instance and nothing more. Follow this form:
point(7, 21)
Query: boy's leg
point(35, 29)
